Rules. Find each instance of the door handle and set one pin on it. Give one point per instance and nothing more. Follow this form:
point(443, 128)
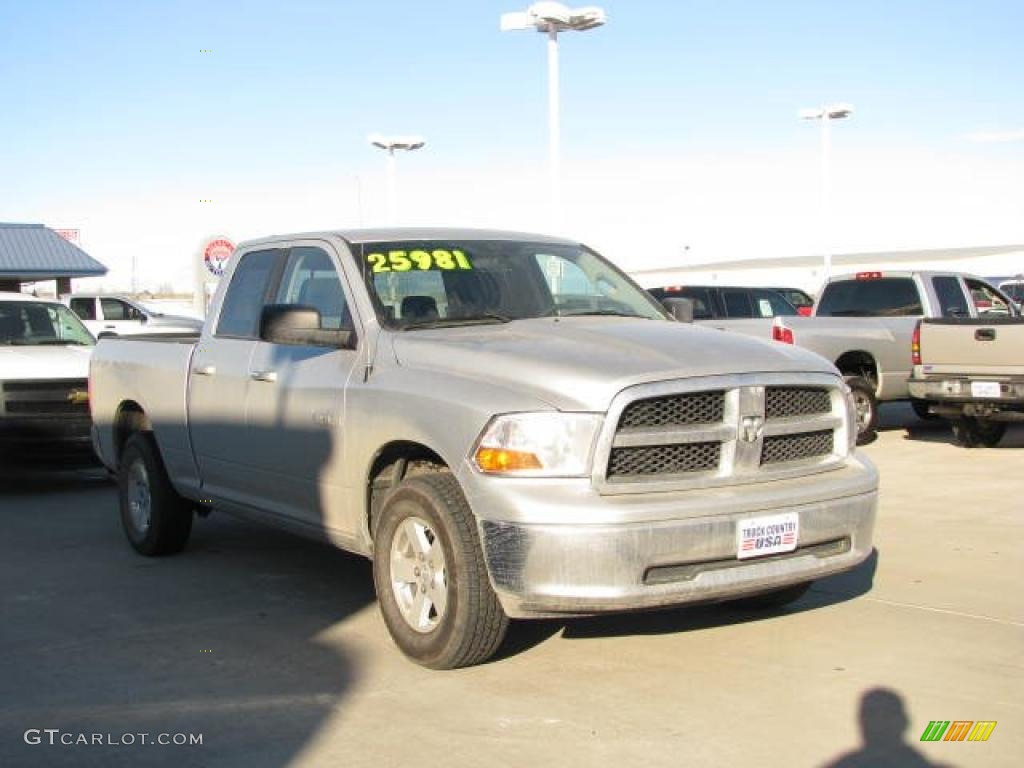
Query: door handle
point(204, 370)
point(270, 376)
point(985, 334)
point(109, 326)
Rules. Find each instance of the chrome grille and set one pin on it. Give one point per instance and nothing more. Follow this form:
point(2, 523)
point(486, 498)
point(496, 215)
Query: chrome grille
point(45, 398)
point(782, 402)
point(797, 447)
point(675, 410)
point(664, 459)
point(721, 430)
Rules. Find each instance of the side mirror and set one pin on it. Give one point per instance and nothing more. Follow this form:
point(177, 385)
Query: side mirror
point(680, 309)
point(299, 325)
point(143, 318)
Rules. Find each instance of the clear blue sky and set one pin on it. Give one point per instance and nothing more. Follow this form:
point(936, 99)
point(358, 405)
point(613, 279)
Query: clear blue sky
point(110, 100)
point(101, 90)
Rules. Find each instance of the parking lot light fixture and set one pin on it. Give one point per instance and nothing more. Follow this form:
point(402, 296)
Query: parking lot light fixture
point(551, 18)
point(389, 144)
point(826, 115)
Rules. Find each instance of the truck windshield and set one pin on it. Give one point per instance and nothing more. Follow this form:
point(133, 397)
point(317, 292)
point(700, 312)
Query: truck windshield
point(30, 323)
point(429, 284)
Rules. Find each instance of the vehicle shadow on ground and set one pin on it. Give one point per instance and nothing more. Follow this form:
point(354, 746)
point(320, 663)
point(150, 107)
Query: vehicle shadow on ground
point(897, 416)
point(828, 591)
point(224, 640)
point(884, 725)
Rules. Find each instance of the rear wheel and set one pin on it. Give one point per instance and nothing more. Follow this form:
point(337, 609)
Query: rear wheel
point(156, 520)
point(430, 576)
point(865, 408)
point(777, 598)
point(973, 433)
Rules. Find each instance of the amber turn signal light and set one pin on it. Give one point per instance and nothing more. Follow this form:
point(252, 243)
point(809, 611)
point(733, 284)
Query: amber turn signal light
point(502, 460)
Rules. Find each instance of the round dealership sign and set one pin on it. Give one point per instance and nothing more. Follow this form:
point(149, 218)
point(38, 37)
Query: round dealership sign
point(216, 255)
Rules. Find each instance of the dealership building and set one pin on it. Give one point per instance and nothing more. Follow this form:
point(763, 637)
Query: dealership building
point(30, 253)
point(807, 272)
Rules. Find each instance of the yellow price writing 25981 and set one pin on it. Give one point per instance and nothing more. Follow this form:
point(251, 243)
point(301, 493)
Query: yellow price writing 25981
point(406, 261)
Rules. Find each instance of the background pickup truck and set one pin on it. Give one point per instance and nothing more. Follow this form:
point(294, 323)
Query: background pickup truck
point(864, 324)
point(505, 423)
point(972, 371)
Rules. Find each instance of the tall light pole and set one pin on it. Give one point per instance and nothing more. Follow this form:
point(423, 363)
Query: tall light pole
point(389, 144)
point(550, 19)
point(826, 115)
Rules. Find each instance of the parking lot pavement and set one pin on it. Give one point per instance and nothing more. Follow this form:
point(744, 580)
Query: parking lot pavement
point(272, 649)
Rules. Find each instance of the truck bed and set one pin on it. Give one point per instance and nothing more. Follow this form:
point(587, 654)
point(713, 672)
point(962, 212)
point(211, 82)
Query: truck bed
point(152, 372)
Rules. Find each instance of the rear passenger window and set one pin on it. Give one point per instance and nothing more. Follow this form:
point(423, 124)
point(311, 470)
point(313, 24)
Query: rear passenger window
point(737, 304)
point(240, 314)
point(950, 296)
point(870, 297)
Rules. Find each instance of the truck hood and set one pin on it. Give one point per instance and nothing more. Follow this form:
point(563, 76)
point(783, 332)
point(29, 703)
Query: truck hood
point(581, 363)
point(21, 363)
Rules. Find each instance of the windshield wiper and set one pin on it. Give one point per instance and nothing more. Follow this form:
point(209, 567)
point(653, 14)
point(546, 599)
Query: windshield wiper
point(446, 322)
point(51, 343)
point(612, 312)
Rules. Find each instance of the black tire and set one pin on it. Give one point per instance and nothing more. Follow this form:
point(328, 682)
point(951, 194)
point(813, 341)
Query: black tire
point(867, 408)
point(921, 410)
point(472, 624)
point(777, 598)
point(975, 433)
point(170, 516)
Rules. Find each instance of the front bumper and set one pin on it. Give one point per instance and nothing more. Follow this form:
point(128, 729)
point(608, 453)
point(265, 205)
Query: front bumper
point(957, 389)
point(575, 569)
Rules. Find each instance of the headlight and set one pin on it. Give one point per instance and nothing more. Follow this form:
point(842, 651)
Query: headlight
point(538, 444)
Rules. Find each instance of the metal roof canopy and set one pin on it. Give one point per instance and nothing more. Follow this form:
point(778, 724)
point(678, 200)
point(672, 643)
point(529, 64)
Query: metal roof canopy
point(31, 252)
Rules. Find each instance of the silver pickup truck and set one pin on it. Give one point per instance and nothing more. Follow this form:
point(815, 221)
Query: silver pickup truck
point(864, 323)
point(505, 423)
point(972, 371)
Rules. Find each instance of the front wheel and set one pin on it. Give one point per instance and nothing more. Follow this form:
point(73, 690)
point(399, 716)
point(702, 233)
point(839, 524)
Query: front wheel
point(973, 433)
point(156, 520)
point(430, 576)
point(865, 408)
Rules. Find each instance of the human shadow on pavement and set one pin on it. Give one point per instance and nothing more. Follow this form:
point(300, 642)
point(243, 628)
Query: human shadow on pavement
point(831, 590)
point(883, 727)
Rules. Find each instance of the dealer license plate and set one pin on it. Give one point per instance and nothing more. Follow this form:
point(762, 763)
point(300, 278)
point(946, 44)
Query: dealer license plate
point(985, 389)
point(769, 535)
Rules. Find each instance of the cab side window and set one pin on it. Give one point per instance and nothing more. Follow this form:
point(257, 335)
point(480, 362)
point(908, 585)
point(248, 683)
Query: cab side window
point(247, 293)
point(986, 300)
point(115, 309)
point(310, 280)
point(84, 308)
point(737, 304)
point(950, 296)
